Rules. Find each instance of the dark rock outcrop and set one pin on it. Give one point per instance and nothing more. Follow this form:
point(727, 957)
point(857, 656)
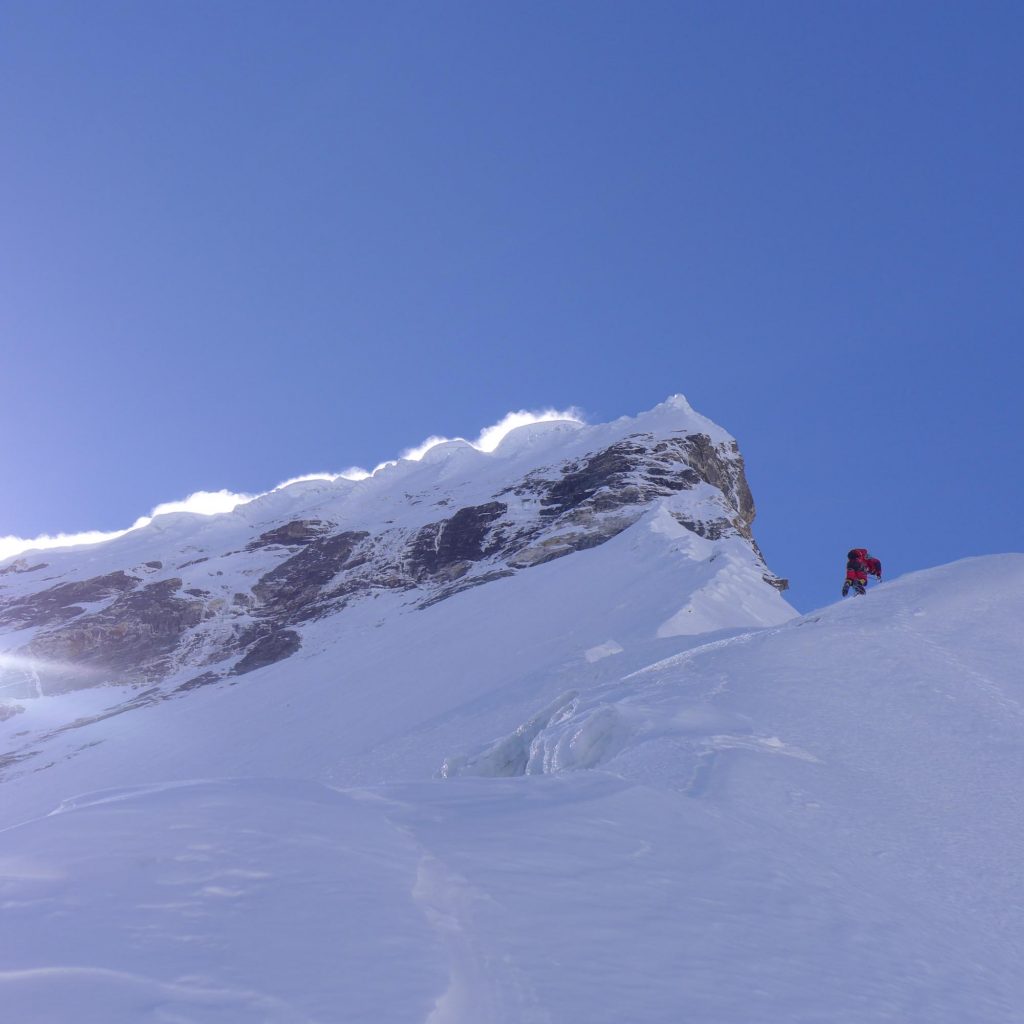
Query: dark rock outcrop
point(21, 565)
point(128, 640)
point(446, 548)
point(293, 591)
point(61, 603)
point(602, 479)
point(722, 467)
point(465, 584)
point(710, 529)
point(594, 499)
point(639, 469)
point(276, 646)
point(295, 533)
point(203, 679)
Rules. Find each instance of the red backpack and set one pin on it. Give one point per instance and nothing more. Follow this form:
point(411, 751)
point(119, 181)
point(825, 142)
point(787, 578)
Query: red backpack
point(856, 564)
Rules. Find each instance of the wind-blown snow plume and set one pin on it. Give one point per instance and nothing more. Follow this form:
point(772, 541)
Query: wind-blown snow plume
point(11, 545)
point(490, 437)
point(209, 503)
point(203, 503)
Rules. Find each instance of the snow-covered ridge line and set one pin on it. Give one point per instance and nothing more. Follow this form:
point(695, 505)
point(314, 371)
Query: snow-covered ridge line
point(187, 600)
point(209, 503)
point(504, 439)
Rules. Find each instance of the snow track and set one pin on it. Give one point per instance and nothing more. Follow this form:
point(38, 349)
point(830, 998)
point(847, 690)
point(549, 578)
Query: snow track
point(484, 984)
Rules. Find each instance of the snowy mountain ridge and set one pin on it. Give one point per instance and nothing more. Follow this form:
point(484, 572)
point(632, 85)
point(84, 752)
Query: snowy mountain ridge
point(224, 595)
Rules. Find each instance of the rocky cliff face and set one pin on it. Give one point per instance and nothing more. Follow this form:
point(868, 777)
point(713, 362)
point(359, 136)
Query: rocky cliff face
point(198, 600)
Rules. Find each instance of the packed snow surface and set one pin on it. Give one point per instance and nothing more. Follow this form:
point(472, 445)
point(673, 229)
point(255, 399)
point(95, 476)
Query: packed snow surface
point(523, 806)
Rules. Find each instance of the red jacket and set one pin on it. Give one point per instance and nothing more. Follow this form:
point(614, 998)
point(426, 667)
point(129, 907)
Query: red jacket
point(857, 565)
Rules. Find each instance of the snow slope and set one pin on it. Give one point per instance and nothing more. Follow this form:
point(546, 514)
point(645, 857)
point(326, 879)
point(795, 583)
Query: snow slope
point(623, 785)
point(571, 818)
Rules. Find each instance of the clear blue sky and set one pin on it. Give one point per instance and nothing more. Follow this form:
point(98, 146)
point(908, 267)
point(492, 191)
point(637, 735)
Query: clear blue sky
point(247, 240)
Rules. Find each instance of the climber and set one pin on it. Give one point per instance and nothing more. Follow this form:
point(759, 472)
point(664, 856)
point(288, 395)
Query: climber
point(859, 565)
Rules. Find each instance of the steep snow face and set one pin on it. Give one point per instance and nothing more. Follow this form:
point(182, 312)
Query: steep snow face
point(515, 807)
point(191, 600)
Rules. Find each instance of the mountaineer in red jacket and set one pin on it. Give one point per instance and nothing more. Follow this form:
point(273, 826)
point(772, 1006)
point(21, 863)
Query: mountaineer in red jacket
point(860, 565)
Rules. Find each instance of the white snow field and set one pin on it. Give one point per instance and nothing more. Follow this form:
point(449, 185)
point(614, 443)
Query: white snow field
point(626, 786)
point(818, 821)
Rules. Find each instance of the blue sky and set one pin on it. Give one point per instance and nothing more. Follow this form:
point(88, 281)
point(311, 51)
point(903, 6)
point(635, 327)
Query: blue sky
point(249, 240)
